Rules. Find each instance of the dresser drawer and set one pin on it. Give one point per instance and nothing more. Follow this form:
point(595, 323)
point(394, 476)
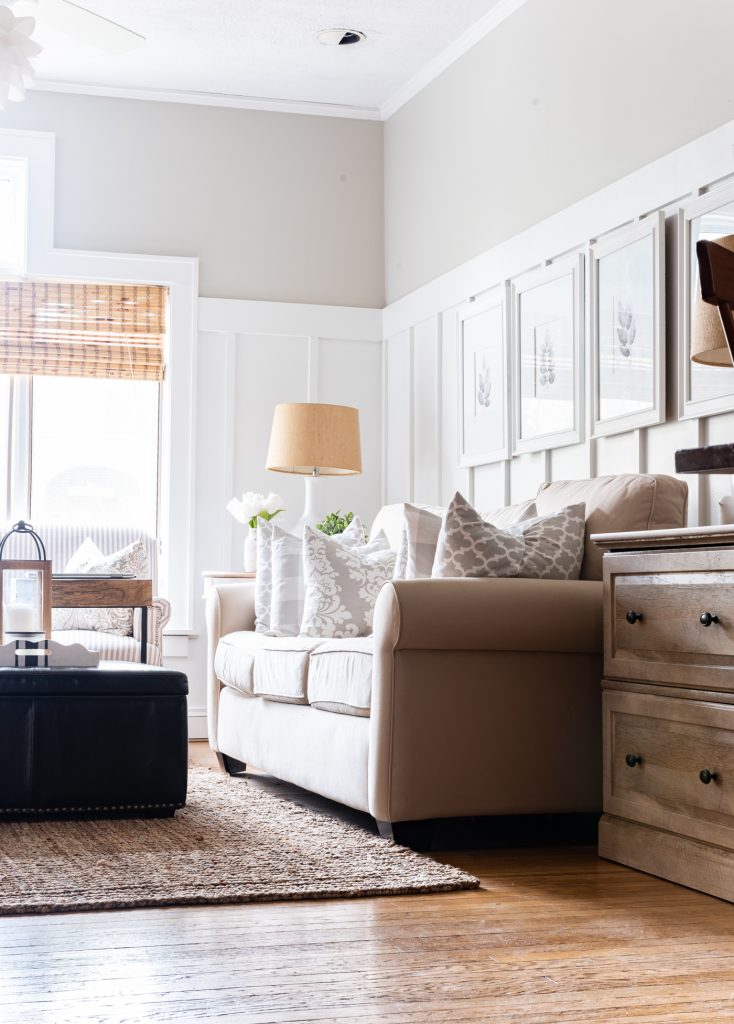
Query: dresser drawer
point(669, 618)
point(659, 753)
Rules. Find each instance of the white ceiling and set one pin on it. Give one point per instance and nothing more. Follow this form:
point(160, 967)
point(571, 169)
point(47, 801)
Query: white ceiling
point(264, 50)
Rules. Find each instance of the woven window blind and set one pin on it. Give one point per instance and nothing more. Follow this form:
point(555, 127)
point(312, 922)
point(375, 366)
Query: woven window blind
point(74, 329)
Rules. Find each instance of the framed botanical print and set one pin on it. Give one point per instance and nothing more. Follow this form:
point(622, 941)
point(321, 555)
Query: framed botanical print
point(627, 326)
point(548, 359)
point(484, 376)
point(702, 390)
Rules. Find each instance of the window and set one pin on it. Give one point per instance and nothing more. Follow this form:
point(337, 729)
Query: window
point(80, 372)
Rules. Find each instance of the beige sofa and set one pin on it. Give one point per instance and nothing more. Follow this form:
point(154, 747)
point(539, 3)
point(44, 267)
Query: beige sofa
point(473, 696)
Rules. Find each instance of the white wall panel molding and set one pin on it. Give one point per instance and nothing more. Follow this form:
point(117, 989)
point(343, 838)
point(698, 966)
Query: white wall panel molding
point(244, 316)
point(697, 165)
point(420, 386)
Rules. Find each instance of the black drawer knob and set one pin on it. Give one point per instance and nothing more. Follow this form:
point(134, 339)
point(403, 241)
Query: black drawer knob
point(632, 759)
point(706, 776)
point(633, 617)
point(707, 618)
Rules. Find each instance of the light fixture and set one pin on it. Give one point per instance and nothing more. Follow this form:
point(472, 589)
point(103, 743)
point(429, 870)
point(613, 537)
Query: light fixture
point(16, 47)
point(339, 36)
point(313, 440)
point(712, 342)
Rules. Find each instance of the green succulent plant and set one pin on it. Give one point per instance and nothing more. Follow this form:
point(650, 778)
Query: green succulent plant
point(335, 522)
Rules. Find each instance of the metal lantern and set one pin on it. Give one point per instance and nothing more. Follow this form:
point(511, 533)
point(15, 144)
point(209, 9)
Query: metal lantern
point(25, 591)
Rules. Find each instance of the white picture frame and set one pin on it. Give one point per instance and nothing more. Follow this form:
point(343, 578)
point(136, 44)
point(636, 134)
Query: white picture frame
point(548, 356)
point(702, 390)
point(484, 378)
point(627, 328)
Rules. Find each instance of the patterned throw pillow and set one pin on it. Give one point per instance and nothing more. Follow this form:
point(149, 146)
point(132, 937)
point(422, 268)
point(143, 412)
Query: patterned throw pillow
point(469, 546)
point(422, 528)
point(129, 561)
point(264, 577)
point(554, 544)
point(342, 584)
point(286, 574)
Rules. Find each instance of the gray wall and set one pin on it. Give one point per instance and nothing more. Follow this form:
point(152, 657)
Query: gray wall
point(276, 206)
point(564, 97)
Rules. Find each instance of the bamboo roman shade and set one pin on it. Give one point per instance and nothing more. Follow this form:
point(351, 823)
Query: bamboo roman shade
point(75, 329)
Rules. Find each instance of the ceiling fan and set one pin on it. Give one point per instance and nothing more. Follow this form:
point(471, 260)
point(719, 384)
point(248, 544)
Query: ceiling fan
point(79, 22)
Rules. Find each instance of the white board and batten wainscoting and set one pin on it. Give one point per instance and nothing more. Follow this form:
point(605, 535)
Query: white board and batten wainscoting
point(421, 351)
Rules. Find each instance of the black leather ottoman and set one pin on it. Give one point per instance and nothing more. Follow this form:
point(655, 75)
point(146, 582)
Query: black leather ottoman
point(93, 740)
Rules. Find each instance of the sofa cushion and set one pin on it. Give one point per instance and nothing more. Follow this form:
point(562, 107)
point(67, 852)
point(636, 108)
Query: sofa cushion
point(340, 676)
point(234, 659)
point(281, 669)
point(616, 504)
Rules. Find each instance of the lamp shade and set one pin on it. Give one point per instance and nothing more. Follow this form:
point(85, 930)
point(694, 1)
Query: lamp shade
point(708, 341)
point(310, 438)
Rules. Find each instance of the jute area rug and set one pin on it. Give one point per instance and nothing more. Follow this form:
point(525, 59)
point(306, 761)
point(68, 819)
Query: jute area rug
point(232, 843)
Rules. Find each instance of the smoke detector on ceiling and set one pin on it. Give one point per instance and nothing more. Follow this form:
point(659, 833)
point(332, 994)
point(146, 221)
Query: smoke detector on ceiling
point(339, 36)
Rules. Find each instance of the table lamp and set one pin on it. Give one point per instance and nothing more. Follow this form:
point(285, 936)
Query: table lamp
point(712, 342)
point(313, 440)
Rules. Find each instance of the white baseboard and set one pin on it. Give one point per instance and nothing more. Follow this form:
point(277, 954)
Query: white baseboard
point(197, 724)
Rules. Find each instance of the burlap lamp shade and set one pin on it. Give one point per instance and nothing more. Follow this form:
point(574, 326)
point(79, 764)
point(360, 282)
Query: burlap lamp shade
point(708, 341)
point(310, 436)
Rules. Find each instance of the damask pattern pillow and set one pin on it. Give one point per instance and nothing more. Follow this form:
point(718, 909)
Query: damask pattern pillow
point(554, 544)
point(128, 561)
point(469, 546)
point(286, 574)
point(341, 586)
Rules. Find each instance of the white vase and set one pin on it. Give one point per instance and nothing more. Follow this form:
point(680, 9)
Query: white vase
point(250, 551)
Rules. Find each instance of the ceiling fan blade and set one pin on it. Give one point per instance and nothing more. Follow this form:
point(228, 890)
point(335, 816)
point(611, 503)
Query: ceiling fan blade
point(89, 27)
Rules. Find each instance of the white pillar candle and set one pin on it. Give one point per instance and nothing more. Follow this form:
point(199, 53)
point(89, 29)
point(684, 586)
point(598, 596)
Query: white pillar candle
point(19, 618)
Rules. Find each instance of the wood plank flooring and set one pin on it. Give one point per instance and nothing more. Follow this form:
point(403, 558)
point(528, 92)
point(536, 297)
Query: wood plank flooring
point(553, 935)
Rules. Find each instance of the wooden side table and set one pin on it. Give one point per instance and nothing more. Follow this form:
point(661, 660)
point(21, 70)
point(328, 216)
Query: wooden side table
point(668, 705)
point(213, 576)
point(105, 592)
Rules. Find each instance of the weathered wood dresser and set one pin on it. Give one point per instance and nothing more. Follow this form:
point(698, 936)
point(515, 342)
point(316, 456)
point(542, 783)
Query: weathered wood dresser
point(668, 705)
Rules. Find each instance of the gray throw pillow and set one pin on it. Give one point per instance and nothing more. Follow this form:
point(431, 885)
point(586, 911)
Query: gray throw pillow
point(421, 529)
point(286, 574)
point(554, 544)
point(264, 578)
point(342, 584)
point(469, 546)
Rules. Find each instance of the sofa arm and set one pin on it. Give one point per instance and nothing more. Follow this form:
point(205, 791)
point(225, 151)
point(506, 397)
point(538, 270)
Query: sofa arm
point(490, 615)
point(471, 676)
point(158, 616)
point(230, 607)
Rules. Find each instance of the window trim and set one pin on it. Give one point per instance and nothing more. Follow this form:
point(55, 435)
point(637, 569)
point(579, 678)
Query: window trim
point(178, 412)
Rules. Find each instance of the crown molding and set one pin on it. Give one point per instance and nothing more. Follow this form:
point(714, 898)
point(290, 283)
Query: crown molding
point(501, 10)
point(208, 99)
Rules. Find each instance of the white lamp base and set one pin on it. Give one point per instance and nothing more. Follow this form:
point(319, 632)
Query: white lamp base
point(310, 516)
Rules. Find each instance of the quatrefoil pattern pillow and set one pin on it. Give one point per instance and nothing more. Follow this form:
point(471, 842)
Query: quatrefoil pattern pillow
point(469, 546)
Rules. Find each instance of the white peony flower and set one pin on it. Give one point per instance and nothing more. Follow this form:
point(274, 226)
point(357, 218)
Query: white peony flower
point(252, 505)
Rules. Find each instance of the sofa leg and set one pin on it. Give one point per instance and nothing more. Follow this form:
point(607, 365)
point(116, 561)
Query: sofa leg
point(385, 829)
point(230, 765)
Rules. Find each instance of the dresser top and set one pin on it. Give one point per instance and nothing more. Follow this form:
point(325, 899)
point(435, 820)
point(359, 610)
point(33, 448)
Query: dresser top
point(653, 540)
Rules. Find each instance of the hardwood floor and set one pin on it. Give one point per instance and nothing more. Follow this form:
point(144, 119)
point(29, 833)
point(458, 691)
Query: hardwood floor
point(553, 935)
